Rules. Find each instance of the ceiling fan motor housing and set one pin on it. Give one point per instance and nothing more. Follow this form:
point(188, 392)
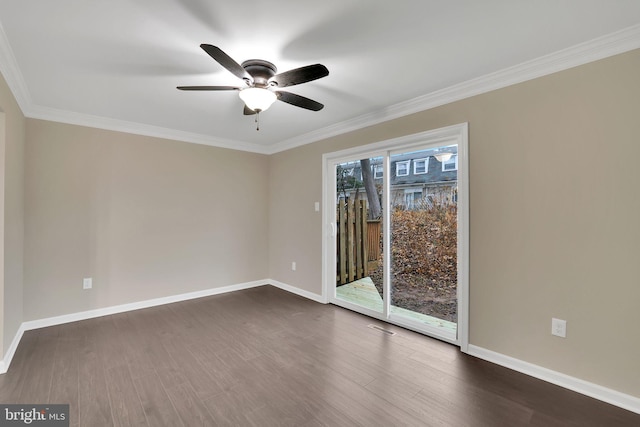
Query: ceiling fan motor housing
point(260, 70)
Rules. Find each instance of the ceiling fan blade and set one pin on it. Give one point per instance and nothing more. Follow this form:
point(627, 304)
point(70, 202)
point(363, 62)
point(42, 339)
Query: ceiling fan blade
point(300, 75)
point(299, 101)
point(208, 88)
point(227, 62)
point(248, 111)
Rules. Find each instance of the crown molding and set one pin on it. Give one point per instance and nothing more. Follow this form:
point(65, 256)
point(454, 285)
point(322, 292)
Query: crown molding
point(602, 47)
point(12, 75)
point(609, 45)
point(62, 116)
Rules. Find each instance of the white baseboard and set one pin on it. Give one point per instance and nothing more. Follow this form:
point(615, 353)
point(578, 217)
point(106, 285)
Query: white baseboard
point(309, 295)
point(90, 314)
point(596, 391)
point(6, 361)
point(604, 394)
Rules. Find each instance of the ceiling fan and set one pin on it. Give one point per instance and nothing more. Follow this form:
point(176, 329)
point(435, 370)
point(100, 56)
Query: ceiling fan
point(262, 82)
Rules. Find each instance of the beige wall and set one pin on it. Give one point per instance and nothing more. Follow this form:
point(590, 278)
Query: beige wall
point(11, 223)
point(554, 208)
point(144, 217)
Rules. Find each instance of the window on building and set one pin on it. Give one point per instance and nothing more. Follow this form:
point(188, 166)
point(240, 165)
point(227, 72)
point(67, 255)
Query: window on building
point(377, 171)
point(412, 199)
point(451, 164)
point(402, 168)
point(420, 166)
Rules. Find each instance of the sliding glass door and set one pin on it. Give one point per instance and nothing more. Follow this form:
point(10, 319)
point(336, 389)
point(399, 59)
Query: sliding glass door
point(423, 216)
point(396, 244)
point(359, 233)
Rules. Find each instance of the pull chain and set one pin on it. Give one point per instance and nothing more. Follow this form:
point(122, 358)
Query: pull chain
point(257, 120)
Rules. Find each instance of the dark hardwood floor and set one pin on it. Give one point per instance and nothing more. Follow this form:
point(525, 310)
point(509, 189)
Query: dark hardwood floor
point(265, 357)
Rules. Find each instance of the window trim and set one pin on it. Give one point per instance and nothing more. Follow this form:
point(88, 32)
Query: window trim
point(406, 163)
point(453, 158)
point(426, 166)
point(376, 169)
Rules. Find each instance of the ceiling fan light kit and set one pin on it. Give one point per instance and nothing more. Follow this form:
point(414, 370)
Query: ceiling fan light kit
point(258, 99)
point(262, 81)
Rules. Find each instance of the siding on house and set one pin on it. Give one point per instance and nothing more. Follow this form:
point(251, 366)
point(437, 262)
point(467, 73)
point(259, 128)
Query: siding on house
point(410, 190)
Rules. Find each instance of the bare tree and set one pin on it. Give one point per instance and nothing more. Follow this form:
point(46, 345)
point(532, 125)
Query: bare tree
point(375, 210)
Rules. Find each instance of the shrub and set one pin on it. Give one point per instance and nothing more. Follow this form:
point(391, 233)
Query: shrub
point(424, 243)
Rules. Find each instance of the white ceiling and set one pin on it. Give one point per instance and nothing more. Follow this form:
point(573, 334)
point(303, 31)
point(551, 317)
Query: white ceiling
point(116, 64)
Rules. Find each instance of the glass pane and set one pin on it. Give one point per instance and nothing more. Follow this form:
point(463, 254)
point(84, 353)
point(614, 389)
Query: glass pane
point(424, 237)
point(359, 232)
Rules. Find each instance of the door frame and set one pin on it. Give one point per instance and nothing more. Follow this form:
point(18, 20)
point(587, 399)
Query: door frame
point(456, 134)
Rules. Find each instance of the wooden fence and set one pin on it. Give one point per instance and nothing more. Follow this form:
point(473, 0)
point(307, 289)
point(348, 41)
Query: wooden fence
point(358, 242)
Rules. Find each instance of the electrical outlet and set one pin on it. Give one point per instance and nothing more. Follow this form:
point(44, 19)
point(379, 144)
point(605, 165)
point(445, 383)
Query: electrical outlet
point(87, 283)
point(293, 266)
point(559, 327)
point(316, 206)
